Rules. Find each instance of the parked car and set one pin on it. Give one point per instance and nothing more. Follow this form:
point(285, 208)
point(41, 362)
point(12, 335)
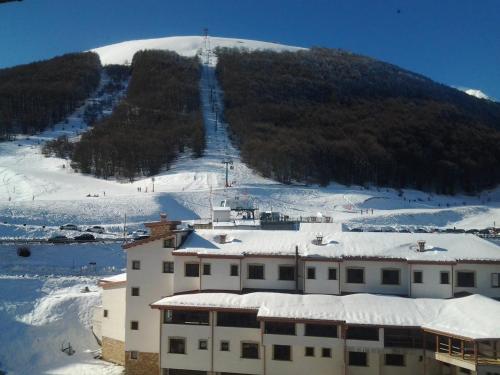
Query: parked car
point(96, 229)
point(472, 231)
point(68, 227)
point(85, 237)
point(58, 238)
point(421, 230)
point(356, 229)
point(404, 230)
point(141, 237)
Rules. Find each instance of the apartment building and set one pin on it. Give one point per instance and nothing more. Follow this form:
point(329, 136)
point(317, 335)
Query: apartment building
point(173, 321)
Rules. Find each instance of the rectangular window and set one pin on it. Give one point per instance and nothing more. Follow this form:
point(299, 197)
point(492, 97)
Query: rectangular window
point(186, 317)
point(355, 275)
point(311, 273)
point(135, 291)
point(279, 328)
point(287, 273)
point(168, 267)
point(282, 353)
point(243, 320)
point(332, 274)
point(390, 277)
point(445, 277)
point(203, 344)
point(321, 330)
point(358, 359)
point(134, 325)
point(309, 351)
point(466, 279)
point(168, 243)
point(326, 352)
point(250, 350)
point(234, 270)
point(495, 280)
point(207, 269)
point(134, 354)
point(105, 313)
point(256, 271)
point(362, 333)
point(395, 360)
point(136, 264)
point(191, 270)
point(418, 277)
point(224, 346)
point(177, 345)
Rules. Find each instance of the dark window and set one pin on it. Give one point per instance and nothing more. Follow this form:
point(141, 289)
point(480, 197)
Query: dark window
point(135, 291)
point(134, 354)
point(466, 279)
point(309, 351)
point(282, 353)
point(326, 352)
point(358, 359)
point(355, 275)
point(403, 338)
point(134, 325)
point(332, 274)
point(191, 270)
point(224, 346)
point(136, 264)
point(418, 277)
point(495, 280)
point(445, 277)
point(321, 330)
point(207, 269)
point(202, 344)
point(279, 328)
point(105, 313)
point(186, 317)
point(244, 320)
point(249, 350)
point(234, 270)
point(286, 273)
point(394, 360)
point(467, 371)
point(168, 267)
point(390, 277)
point(168, 243)
point(256, 271)
point(177, 346)
point(311, 273)
point(362, 333)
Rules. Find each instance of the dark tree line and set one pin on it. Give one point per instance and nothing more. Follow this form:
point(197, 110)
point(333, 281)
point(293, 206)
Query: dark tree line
point(40, 94)
point(323, 115)
point(159, 118)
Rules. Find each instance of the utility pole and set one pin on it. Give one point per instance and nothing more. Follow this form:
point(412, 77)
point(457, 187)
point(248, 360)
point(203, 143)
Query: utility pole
point(227, 162)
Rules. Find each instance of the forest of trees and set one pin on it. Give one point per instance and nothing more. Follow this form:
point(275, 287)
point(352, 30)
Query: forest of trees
point(38, 95)
point(324, 115)
point(159, 118)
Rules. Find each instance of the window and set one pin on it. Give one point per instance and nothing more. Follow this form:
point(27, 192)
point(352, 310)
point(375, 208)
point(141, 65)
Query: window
point(105, 313)
point(168, 267)
point(332, 274)
point(390, 277)
point(203, 344)
point(134, 325)
point(168, 243)
point(418, 277)
point(466, 279)
point(358, 359)
point(186, 317)
point(135, 291)
point(177, 345)
point(445, 277)
point(134, 354)
point(191, 270)
point(207, 269)
point(466, 371)
point(311, 273)
point(136, 264)
point(362, 333)
point(224, 346)
point(495, 280)
point(256, 271)
point(287, 273)
point(243, 320)
point(321, 330)
point(309, 351)
point(279, 328)
point(326, 352)
point(282, 353)
point(234, 270)
point(394, 360)
point(355, 275)
point(250, 350)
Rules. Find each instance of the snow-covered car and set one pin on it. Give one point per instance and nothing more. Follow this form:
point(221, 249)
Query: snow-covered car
point(68, 227)
point(85, 237)
point(58, 238)
point(96, 229)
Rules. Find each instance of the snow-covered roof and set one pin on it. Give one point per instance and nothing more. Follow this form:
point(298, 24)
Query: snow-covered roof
point(456, 317)
point(120, 278)
point(439, 247)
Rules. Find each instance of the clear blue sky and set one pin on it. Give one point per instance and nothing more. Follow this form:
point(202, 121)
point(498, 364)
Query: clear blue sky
point(456, 42)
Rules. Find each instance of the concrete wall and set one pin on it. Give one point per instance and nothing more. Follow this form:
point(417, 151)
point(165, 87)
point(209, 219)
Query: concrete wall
point(113, 300)
point(220, 277)
point(321, 284)
point(271, 273)
point(431, 286)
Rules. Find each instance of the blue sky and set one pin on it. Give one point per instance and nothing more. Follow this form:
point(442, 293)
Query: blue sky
point(456, 42)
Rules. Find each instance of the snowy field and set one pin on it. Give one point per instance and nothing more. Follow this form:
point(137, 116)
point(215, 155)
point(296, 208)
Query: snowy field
point(41, 306)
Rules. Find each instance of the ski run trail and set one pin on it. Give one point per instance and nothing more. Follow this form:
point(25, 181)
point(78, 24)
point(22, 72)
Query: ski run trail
point(42, 306)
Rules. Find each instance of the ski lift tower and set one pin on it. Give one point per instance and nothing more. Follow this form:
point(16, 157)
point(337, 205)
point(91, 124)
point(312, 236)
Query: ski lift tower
point(229, 164)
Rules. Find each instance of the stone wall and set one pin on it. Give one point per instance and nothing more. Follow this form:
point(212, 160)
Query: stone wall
point(113, 350)
point(145, 364)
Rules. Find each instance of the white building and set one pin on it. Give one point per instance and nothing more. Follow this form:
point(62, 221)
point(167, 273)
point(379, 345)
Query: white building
point(191, 275)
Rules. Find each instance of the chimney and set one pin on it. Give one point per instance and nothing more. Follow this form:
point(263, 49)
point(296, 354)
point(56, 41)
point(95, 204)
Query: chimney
point(163, 217)
point(319, 239)
point(222, 238)
point(421, 245)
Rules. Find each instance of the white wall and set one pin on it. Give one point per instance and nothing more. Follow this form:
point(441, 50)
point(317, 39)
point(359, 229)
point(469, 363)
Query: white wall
point(113, 300)
point(271, 273)
point(220, 277)
point(181, 282)
point(483, 279)
point(321, 285)
point(431, 286)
